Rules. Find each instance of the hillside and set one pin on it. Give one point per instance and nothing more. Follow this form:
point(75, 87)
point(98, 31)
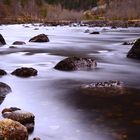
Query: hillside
point(74, 4)
point(75, 10)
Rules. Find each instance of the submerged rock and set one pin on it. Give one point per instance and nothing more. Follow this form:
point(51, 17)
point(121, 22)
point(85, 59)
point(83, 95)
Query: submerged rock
point(4, 89)
point(13, 47)
point(12, 130)
point(25, 72)
point(104, 89)
point(16, 114)
point(18, 43)
point(40, 38)
point(2, 72)
point(87, 31)
point(2, 40)
point(129, 42)
point(76, 63)
point(135, 50)
point(36, 28)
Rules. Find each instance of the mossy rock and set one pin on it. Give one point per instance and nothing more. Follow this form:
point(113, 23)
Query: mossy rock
point(16, 114)
point(104, 89)
point(12, 130)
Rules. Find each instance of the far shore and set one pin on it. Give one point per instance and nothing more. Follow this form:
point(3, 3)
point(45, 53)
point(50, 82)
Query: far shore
point(90, 23)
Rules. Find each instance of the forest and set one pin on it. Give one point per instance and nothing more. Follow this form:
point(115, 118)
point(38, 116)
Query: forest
point(74, 4)
point(75, 10)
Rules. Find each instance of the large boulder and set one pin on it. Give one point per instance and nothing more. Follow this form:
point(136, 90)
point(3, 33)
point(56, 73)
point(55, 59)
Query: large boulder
point(4, 89)
point(2, 72)
point(2, 40)
point(135, 50)
point(24, 117)
point(76, 63)
point(12, 130)
point(40, 38)
point(25, 72)
point(104, 89)
point(19, 43)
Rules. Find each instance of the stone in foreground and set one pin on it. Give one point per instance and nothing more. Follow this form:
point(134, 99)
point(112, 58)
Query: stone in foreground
point(40, 38)
point(12, 130)
point(135, 50)
point(104, 89)
point(4, 89)
point(24, 117)
point(18, 43)
point(2, 40)
point(25, 72)
point(76, 63)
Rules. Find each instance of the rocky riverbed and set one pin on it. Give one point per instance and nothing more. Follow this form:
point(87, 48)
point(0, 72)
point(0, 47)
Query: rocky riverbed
point(62, 111)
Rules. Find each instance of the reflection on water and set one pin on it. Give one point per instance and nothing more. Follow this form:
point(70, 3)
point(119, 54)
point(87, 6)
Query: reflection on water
point(61, 111)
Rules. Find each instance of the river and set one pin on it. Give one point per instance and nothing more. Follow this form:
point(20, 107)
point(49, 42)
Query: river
point(50, 94)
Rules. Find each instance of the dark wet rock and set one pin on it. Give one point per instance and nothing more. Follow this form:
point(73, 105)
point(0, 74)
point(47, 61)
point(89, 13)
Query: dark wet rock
point(2, 40)
point(40, 38)
point(12, 130)
point(129, 42)
point(1, 99)
point(113, 27)
point(2, 72)
point(26, 26)
point(76, 63)
point(36, 28)
point(95, 32)
point(11, 109)
point(104, 89)
point(135, 50)
point(25, 72)
point(4, 89)
point(36, 138)
point(12, 47)
point(19, 43)
point(16, 114)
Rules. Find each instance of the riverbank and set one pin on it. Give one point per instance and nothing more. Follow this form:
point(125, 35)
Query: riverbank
point(90, 23)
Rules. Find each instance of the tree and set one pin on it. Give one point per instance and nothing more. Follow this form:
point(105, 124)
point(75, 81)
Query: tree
point(7, 2)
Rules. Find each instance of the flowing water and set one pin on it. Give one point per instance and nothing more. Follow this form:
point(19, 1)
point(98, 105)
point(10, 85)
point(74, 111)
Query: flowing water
point(50, 94)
